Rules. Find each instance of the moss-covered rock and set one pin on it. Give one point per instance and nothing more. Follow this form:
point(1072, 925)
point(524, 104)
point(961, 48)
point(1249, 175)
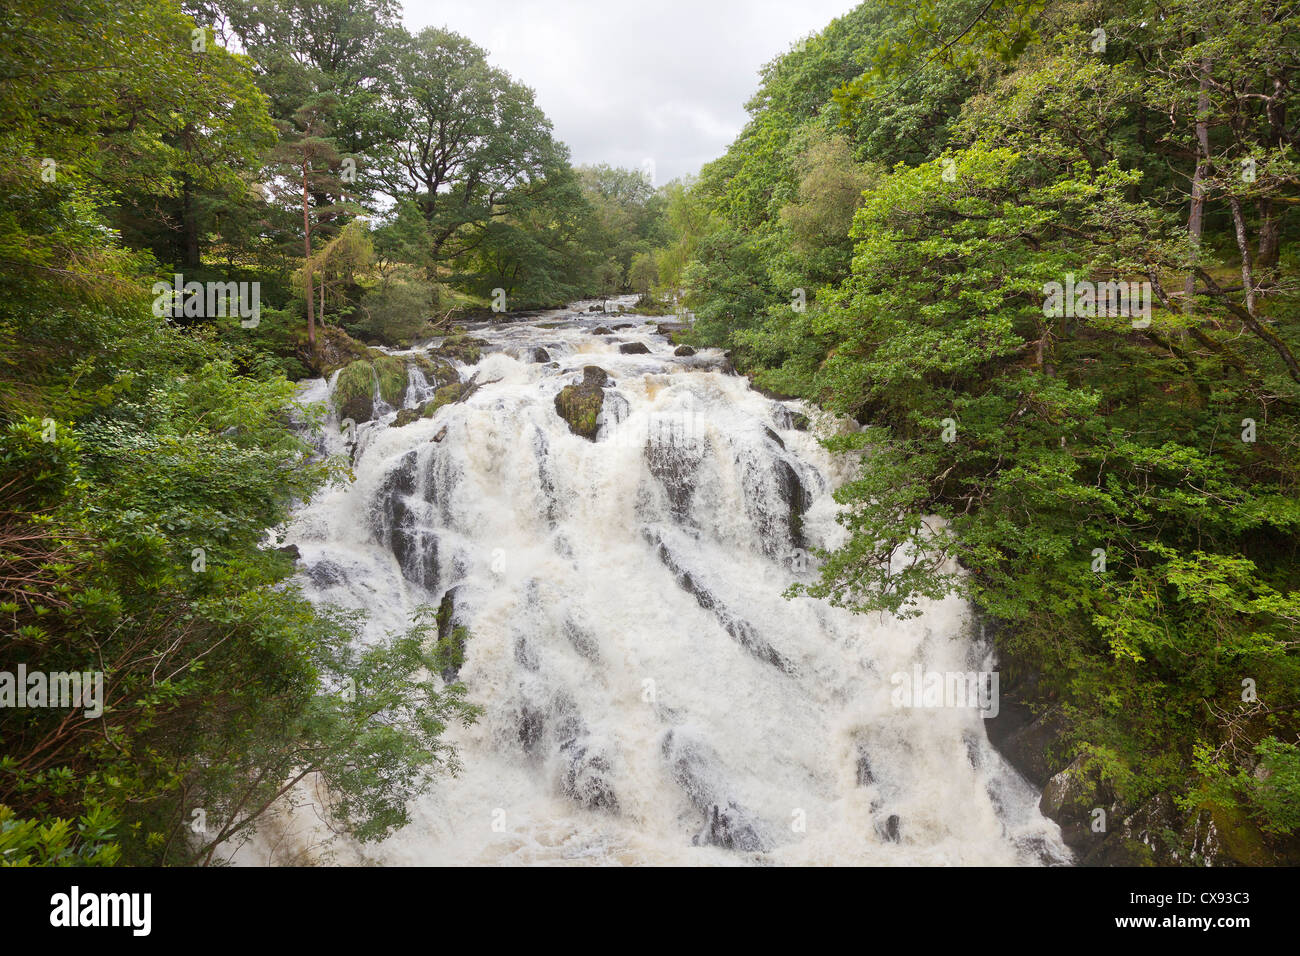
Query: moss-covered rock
point(354, 392)
point(405, 416)
point(437, 371)
point(462, 348)
point(391, 374)
point(335, 349)
point(445, 395)
point(580, 406)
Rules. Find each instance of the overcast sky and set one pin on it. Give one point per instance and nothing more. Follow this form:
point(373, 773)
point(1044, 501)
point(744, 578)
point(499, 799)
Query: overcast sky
point(626, 82)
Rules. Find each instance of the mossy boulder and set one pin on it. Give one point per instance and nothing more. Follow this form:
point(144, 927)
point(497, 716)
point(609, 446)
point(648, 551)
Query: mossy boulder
point(335, 349)
point(445, 395)
point(580, 405)
point(354, 392)
point(437, 371)
point(405, 416)
point(391, 374)
point(461, 347)
point(684, 351)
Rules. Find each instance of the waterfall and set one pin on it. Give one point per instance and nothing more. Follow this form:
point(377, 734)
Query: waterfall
point(648, 694)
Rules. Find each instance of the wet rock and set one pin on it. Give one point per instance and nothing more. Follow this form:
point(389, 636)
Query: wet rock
point(291, 551)
point(586, 778)
point(890, 831)
point(601, 330)
point(788, 419)
point(540, 356)
point(863, 770)
point(594, 375)
point(741, 630)
point(531, 724)
point(445, 395)
point(452, 635)
point(675, 465)
point(579, 406)
point(594, 308)
point(583, 641)
point(727, 828)
point(1027, 742)
point(774, 437)
point(684, 351)
point(634, 348)
point(525, 654)
point(436, 371)
point(399, 528)
point(463, 348)
point(325, 574)
point(695, 768)
point(407, 415)
point(625, 325)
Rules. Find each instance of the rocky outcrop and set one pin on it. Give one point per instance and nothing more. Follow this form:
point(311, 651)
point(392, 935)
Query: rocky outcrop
point(1099, 828)
point(580, 405)
point(436, 370)
point(452, 636)
point(634, 348)
point(461, 347)
point(354, 392)
point(740, 630)
point(695, 768)
point(405, 416)
point(400, 528)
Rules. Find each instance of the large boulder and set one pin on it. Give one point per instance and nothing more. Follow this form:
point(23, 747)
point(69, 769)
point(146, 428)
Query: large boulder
point(580, 406)
point(634, 348)
point(445, 395)
point(354, 392)
point(461, 347)
point(436, 370)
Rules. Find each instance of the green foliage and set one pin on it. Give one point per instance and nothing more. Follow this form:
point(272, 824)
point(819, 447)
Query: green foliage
point(142, 462)
point(1009, 448)
point(86, 842)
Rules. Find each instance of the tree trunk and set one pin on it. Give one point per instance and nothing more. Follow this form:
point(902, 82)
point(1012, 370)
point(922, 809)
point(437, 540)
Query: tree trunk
point(306, 266)
point(1195, 218)
point(1243, 247)
point(1270, 238)
point(1270, 229)
point(190, 255)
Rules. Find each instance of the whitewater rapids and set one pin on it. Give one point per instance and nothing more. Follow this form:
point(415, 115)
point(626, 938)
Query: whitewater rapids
point(648, 695)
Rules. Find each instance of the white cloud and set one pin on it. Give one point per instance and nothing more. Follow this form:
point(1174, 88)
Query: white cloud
point(626, 81)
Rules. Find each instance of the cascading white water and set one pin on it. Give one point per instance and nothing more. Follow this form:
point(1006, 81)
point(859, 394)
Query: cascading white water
point(648, 695)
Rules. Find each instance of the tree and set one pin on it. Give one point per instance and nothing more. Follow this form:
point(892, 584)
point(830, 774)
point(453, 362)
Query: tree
point(306, 158)
point(644, 274)
point(465, 144)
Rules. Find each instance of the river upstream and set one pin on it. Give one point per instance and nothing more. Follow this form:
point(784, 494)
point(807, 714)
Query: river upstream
point(648, 695)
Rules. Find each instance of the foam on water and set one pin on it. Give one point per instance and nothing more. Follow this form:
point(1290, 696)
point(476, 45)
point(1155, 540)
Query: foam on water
point(648, 695)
